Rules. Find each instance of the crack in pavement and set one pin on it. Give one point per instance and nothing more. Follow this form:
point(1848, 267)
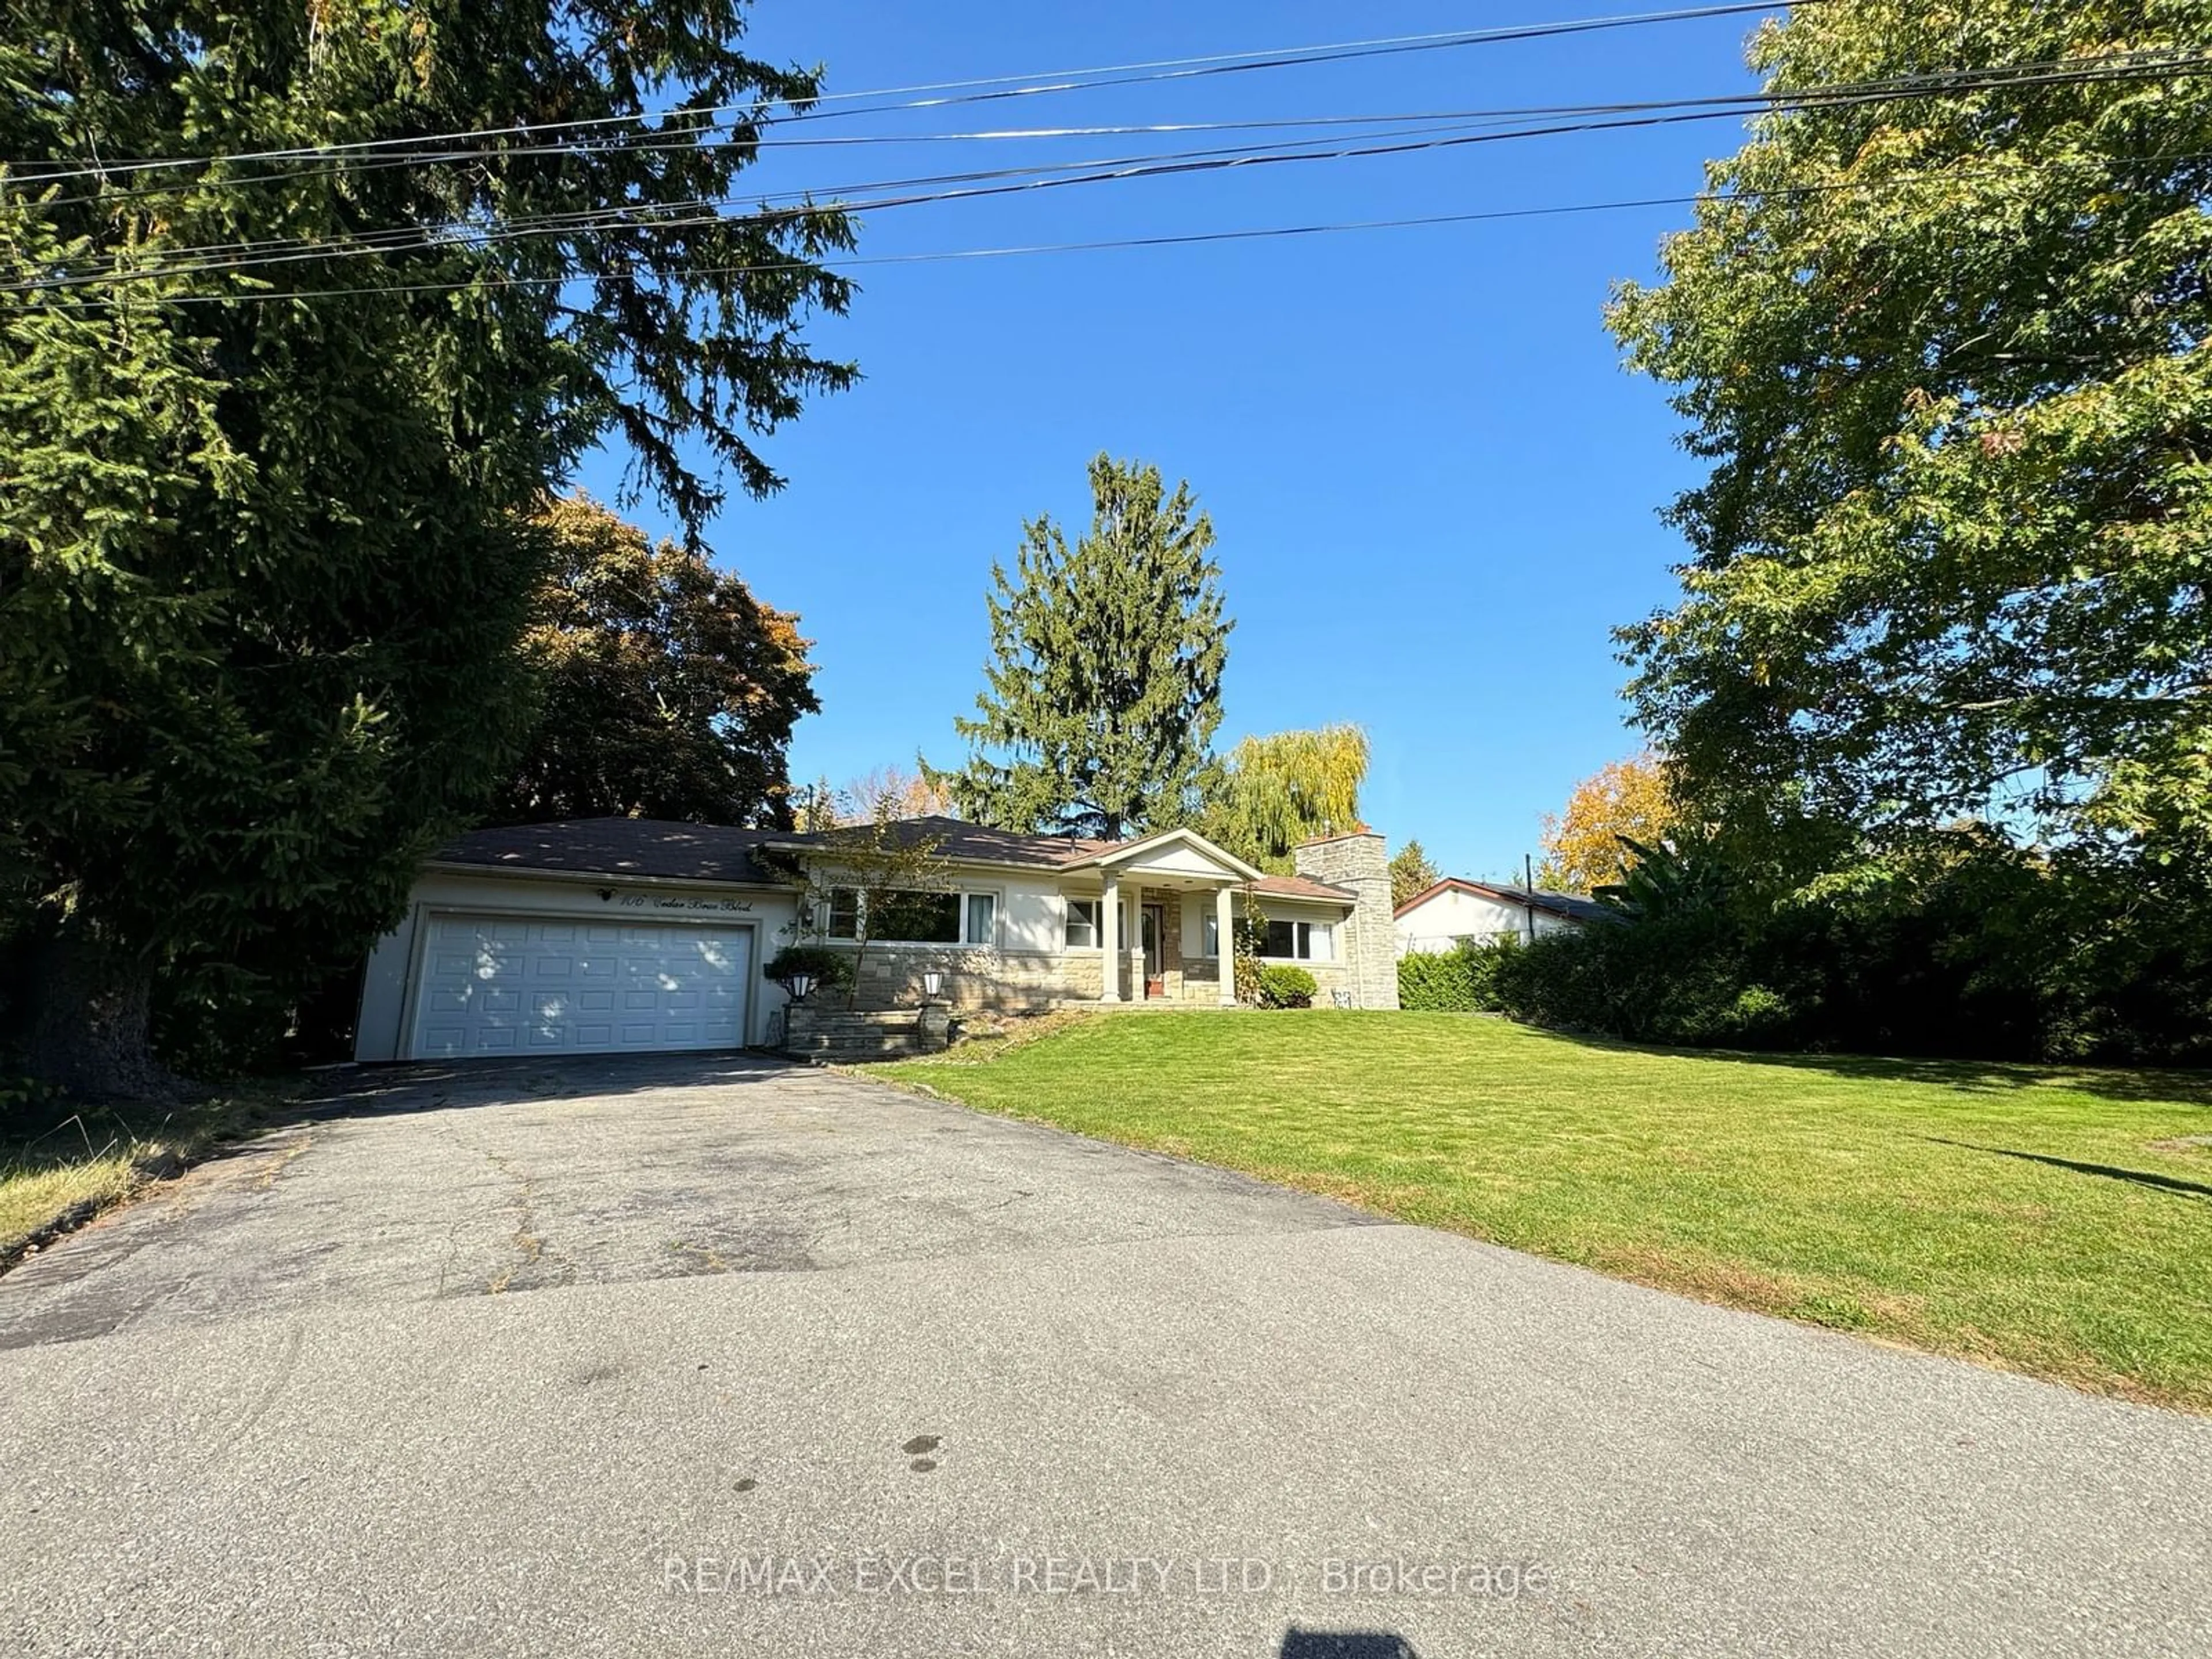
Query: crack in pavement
point(525, 1239)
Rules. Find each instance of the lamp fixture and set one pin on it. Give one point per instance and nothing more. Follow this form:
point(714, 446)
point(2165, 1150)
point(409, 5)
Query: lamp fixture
point(932, 981)
point(800, 985)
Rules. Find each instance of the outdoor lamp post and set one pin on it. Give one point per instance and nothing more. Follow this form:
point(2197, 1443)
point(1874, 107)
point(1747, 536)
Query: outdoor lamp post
point(931, 982)
point(800, 985)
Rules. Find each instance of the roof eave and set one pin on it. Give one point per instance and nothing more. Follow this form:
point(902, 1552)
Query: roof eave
point(1123, 853)
point(626, 878)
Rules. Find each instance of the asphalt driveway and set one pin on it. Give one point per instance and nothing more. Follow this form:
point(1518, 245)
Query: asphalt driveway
point(676, 1356)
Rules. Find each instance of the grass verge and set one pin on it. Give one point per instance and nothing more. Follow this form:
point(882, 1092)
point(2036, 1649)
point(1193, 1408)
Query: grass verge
point(2054, 1222)
point(60, 1168)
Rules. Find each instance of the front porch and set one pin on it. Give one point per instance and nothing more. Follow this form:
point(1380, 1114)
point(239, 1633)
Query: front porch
point(1149, 953)
point(1165, 920)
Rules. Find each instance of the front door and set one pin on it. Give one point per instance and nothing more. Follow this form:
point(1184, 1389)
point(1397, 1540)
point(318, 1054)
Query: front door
point(1152, 930)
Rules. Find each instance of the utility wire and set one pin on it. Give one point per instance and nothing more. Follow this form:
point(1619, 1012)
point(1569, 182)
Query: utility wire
point(663, 142)
point(991, 88)
point(1173, 240)
point(2154, 64)
point(706, 211)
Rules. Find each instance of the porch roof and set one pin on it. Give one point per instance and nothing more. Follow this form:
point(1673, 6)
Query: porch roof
point(1181, 853)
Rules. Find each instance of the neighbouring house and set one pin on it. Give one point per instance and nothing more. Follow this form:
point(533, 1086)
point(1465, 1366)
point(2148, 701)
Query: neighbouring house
point(1453, 911)
point(617, 935)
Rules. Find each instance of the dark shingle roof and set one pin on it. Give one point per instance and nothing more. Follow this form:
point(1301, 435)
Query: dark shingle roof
point(1301, 887)
point(973, 843)
point(618, 846)
point(703, 852)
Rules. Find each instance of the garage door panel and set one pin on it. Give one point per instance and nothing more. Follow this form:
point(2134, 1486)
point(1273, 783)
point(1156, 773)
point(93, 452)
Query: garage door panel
point(501, 985)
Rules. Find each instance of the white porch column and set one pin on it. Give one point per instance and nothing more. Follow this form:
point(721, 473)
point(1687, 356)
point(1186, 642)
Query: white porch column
point(1110, 939)
point(1225, 943)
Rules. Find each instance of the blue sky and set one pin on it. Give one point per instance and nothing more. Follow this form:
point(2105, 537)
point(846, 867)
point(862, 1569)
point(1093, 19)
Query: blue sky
point(1434, 486)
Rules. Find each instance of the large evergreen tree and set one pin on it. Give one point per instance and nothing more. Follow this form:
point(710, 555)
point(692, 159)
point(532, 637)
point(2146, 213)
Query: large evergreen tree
point(1412, 872)
point(1948, 357)
point(665, 689)
point(1104, 689)
point(283, 368)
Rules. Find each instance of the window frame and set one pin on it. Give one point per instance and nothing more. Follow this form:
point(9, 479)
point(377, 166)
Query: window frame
point(1301, 939)
point(962, 897)
point(1095, 909)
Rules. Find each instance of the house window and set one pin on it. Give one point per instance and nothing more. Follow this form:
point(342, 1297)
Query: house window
point(1209, 934)
point(913, 917)
point(1299, 941)
point(1082, 924)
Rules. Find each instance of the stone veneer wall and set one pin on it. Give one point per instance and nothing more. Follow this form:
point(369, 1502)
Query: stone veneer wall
point(891, 977)
point(1367, 945)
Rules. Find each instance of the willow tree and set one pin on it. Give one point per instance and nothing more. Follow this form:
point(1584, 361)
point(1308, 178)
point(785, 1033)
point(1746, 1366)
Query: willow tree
point(1946, 353)
point(1104, 689)
point(1277, 790)
point(284, 363)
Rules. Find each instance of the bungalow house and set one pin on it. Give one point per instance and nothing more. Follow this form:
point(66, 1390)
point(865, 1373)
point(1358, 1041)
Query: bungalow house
point(620, 935)
point(1440, 917)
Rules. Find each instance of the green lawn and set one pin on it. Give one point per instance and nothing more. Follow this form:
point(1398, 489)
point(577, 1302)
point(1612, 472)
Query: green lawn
point(2053, 1222)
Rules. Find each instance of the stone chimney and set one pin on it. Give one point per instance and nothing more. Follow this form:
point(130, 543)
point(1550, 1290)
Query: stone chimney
point(1367, 945)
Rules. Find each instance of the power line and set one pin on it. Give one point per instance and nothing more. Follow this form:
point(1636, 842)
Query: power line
point(993, 89)
point(648, 216)
point(1171, 239)
point(1991, 77)
point(704, 211)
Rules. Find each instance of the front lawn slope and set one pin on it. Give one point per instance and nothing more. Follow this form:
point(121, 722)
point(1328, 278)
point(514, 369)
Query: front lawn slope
point(2053, 1222)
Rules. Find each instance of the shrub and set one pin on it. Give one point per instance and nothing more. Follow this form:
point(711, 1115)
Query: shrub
point(1962, 947)
point(1687, 980)
point(1486, 963)
point(1283, 987)
point(831, 968)
point(1437, 981)
point(1463, 980)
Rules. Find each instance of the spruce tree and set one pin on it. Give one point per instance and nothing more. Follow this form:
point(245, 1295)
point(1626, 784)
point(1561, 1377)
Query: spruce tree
point(283, 366)
point(1104, 689)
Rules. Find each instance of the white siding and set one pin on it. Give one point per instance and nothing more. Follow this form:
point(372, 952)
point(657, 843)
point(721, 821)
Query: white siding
point(1172, 862)
point(1035, 920)
point(1452, 915)
point(1196, 908)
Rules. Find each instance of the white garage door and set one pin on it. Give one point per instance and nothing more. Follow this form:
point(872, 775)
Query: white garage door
point(504, 985)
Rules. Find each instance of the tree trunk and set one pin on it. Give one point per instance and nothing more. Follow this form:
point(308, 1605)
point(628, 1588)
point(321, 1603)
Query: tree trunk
point(90, 1023)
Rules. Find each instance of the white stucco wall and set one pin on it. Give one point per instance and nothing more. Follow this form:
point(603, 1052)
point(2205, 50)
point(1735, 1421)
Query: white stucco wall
point(387, 987)
point(1030, 915)
point(1452, 915)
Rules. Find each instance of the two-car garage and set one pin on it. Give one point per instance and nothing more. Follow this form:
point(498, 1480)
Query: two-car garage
point(509, 985)
point(585, 937)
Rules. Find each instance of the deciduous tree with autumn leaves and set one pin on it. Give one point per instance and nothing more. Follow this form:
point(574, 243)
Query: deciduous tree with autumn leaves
point(1582, 848)
point(665, 690)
